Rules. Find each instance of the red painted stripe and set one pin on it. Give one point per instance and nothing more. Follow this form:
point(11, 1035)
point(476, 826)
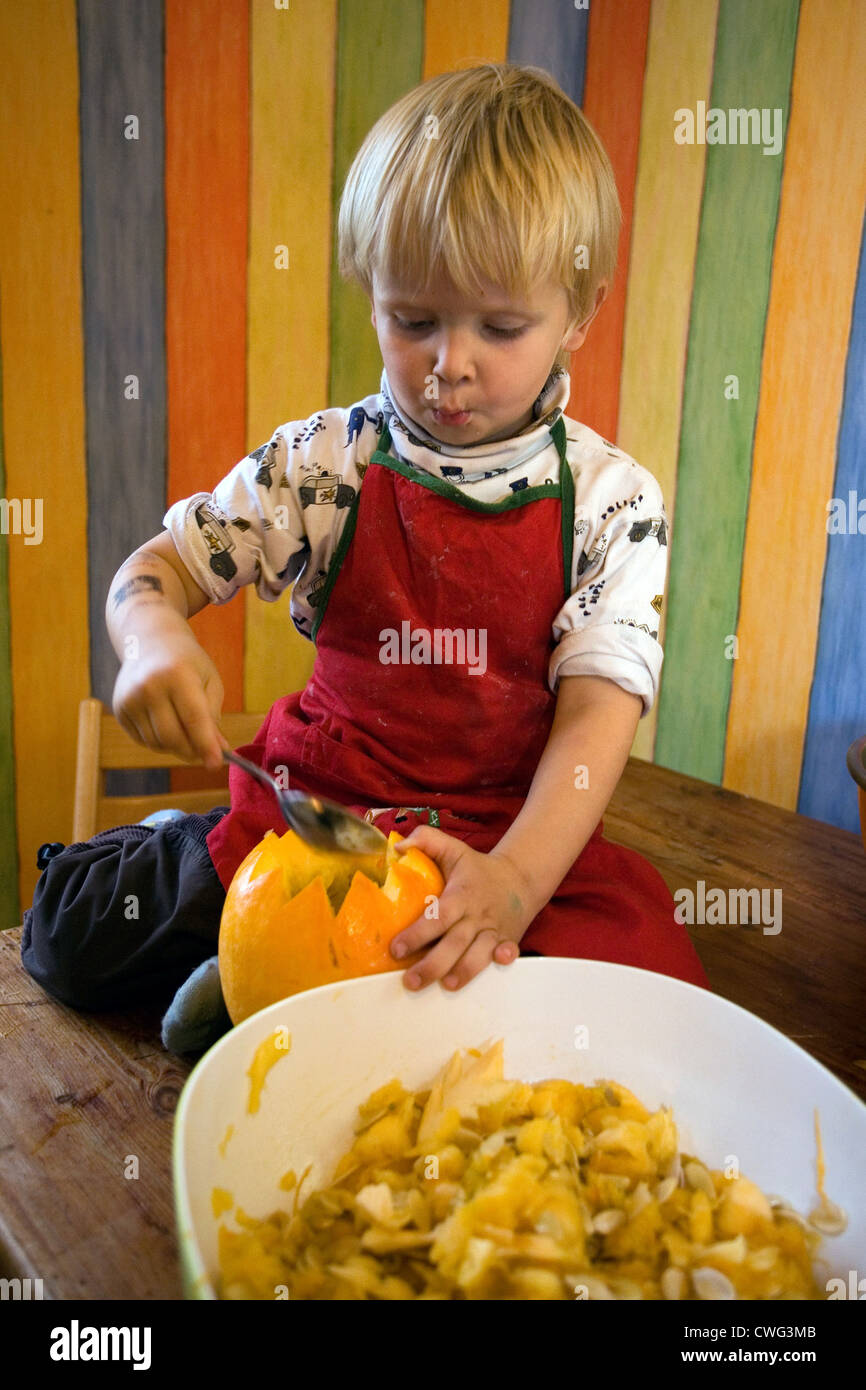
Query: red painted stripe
point(612, 98)
point(207, 196)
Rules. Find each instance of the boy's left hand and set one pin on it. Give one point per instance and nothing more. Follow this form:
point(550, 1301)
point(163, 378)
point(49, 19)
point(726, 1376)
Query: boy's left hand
point(484, 910)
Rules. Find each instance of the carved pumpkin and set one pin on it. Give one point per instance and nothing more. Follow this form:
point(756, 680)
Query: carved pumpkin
point(297, 917)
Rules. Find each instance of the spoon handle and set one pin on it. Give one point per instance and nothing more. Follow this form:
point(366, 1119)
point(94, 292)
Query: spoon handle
point(252, 768)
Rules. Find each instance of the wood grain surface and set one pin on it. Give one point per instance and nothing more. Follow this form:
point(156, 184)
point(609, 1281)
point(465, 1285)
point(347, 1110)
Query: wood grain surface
point(809, 980)
point(84, 1093)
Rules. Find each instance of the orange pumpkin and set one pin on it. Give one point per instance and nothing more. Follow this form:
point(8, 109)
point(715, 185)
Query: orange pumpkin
point(297, 917)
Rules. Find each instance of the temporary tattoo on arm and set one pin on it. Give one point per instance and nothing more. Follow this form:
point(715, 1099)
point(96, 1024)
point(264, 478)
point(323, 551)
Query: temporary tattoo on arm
point(136, 585)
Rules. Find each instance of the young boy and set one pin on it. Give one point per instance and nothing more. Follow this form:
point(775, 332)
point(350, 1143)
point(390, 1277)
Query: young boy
point(482, 577)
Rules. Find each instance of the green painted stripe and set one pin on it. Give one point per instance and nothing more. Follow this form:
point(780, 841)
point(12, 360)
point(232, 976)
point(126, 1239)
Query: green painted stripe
point(9, 899)
point(379, 58)
point(753, 66)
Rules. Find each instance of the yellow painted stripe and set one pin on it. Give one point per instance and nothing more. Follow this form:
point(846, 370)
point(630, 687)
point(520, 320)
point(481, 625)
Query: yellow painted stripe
point(794, 458)
point(661, 269)
point(43, 411)
point(292, 54)
point(457, 35)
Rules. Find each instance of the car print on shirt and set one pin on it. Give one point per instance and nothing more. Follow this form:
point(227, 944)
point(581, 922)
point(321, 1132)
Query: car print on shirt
point(218, 541)
point(325, 489)
point(598, 552)
point(652, 526)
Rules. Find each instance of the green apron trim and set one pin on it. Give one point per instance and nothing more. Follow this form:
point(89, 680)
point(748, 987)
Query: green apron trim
point(564, 489)
point(336, 562)
point(566, 493)
point(446, 489)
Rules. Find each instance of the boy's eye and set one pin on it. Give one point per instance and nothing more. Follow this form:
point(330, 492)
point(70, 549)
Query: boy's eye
point(415, 327)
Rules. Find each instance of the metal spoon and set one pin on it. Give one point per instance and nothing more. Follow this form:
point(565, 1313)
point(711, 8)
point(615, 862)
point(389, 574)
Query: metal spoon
point(322, 824)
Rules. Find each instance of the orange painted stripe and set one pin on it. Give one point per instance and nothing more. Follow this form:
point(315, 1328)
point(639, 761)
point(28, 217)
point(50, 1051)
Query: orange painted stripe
point(457, 35)
point(617, 45)
point(43, 414)
point(793, 467)
point(207, 210)
point(292, 62)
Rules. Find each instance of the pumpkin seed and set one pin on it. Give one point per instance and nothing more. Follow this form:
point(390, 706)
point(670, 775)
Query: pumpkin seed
point(709, 1283)
point(666, 1189)
point(640, 1198)
point(608, 1220)
point(698, 1179)
point(829, 1219)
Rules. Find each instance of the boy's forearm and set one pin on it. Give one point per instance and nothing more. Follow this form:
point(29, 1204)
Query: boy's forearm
point(146, 598)
point(582, 763)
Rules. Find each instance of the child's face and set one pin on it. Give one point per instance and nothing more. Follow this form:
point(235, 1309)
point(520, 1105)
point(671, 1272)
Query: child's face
point(469, 370)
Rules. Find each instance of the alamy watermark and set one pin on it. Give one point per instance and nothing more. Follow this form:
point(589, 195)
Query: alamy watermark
point(22, 1290)
point(847, 518)
point(738, 907)
point(737, 126)
point(22, 516)
point(440, 646)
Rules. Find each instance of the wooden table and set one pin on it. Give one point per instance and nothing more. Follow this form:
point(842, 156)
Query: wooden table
point(82, 1095)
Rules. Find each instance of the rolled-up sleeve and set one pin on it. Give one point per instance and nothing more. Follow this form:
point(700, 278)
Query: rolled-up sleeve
point(249, 530)
point(609, 626)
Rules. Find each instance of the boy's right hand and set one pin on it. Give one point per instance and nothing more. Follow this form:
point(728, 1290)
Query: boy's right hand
point(170, 697)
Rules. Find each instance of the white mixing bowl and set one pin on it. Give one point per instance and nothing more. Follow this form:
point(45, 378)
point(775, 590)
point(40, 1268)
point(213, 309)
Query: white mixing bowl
point(738, 1088)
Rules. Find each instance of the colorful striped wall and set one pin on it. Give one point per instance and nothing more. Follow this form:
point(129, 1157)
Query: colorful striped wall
point(150, 336)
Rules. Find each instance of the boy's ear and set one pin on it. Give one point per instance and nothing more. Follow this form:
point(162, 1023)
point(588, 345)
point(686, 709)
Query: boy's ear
point(576, 334)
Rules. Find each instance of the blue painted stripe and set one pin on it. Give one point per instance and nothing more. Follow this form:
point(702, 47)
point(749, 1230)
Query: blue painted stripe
point(837, 707)
point(123, 230)
point(551, 35)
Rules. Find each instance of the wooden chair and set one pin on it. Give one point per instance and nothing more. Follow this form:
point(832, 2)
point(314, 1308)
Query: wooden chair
point(103, 744)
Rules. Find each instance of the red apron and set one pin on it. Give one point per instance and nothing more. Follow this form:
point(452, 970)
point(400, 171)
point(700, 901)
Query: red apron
point(397, 716)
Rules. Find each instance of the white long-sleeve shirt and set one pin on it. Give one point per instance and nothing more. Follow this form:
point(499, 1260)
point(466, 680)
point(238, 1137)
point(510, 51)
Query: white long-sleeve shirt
point(276, 520)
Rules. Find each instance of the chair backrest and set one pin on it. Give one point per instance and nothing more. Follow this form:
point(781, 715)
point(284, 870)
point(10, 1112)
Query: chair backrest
point(103, 744)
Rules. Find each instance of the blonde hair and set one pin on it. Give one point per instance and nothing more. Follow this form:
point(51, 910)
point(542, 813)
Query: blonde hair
point(490, 173)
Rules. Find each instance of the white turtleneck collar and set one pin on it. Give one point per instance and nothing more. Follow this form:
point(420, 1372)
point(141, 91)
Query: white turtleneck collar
point(412, 443)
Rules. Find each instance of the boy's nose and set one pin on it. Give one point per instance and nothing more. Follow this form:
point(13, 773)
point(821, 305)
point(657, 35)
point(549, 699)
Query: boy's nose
point(453, 358)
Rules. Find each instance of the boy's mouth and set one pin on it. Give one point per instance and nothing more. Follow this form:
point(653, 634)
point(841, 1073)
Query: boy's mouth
point(456, 417)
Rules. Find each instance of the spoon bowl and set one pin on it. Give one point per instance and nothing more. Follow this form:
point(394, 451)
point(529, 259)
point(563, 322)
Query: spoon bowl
point(321, 823)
